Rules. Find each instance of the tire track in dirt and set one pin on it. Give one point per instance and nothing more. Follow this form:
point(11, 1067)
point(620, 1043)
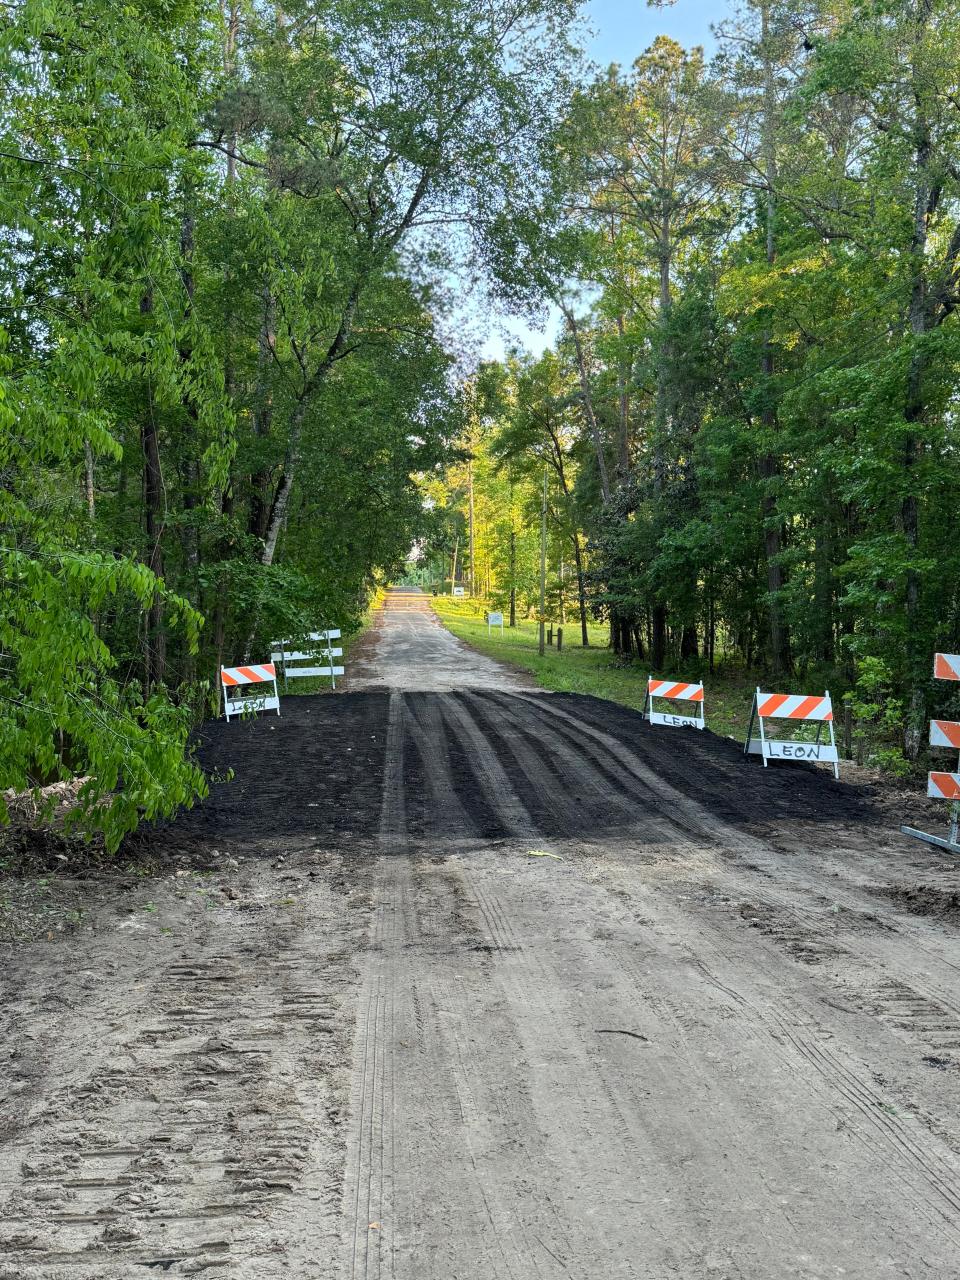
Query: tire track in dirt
point(381, 1207)
point(925, 1159)
point(187, 1156)
point(802, 935)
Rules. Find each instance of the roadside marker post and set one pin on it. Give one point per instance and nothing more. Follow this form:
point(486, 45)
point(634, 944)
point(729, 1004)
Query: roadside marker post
point(494, 620)
point(682, 691)
point(944, 786)
point(318, 655)
point(231, 678)
point(796, 707)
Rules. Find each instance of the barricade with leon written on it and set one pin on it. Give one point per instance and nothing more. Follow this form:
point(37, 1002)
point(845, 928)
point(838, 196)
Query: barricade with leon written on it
point(232, 679)
point(680, 691)
point(944, 786)
point(317, 653)
point(796, 707)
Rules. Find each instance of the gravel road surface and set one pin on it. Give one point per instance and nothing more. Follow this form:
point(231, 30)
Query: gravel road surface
point(461, 981)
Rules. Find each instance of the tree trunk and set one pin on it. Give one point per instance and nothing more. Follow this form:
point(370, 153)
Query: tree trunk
point(281, 502)
point(918, 657)
point(623, 398)
point(626, 638)
point(473, 562)
point(781, 661)
point(513, 578)
point(155, 655)
point(88, 483)
point(658, 639)
point(263, 417)
point(581, 591)
point(587, 398)
point(154, 658)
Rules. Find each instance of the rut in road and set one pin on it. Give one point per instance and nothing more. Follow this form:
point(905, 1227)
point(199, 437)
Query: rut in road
point(500, 1126)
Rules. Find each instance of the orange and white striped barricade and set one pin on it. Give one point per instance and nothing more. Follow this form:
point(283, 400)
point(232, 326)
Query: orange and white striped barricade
point(944, 786)
point(232, 679)
point(318, 652)
point(797, 707)
point(682, 691)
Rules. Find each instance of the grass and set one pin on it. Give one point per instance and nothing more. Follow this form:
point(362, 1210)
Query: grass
point(596, 670)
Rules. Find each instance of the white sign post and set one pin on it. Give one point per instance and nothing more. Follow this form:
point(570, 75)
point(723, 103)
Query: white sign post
point(458, 591)
point(494, 620)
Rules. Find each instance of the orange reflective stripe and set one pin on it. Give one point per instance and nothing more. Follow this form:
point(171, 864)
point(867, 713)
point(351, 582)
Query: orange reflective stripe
point(697, 697)
point(674, 691)
point(772, 704)
point(805, 707)
point(945, 666)
point(946, 784)
point(249, 673)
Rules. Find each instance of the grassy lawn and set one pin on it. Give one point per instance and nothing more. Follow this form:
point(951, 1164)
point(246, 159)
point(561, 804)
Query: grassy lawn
point(594, 670)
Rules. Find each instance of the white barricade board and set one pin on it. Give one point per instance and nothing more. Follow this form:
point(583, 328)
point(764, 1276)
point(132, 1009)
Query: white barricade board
point(782, 749)
point(946, 666)
point(250, 705)
point(674, 722)
point(943, 786)
point(319, 655)
point(945, 733)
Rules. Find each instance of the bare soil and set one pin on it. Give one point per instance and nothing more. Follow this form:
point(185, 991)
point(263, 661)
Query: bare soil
point(471, 982)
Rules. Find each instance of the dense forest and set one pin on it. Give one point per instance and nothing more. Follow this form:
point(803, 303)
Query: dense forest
point(235, 236)
point(747, 422)
point(229, 226)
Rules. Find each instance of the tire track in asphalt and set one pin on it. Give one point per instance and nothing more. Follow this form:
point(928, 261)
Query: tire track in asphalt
point(543, 757)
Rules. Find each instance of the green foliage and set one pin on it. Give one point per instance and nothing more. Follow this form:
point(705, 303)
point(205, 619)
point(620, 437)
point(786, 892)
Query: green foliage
point(222, 374)
point(761, 379)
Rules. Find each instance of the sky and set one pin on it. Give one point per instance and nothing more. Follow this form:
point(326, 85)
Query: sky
point(621, 29)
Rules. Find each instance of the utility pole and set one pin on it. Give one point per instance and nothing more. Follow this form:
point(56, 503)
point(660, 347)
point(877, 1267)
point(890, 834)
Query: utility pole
point(543, 561)
point(473, 563)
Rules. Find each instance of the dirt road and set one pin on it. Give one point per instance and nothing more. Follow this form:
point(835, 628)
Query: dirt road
point(485, 984)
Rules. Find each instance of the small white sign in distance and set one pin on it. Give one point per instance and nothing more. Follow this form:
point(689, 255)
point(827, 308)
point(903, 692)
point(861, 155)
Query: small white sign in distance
point(458, 591)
